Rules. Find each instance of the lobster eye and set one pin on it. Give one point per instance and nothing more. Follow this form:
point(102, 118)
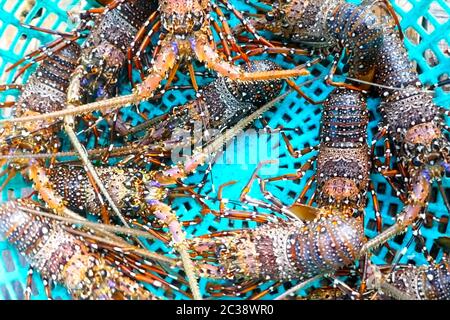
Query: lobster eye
point(197, 25)
point(164, 29)
point(435, 145)
point(270, 16)
point(100, 91)
point(416, 161)
point(220, 248)
point(138, 175)
point(93, 70)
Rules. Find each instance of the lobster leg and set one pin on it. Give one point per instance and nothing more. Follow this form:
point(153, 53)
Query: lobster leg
point(12, 86)
point(376, 207)
point(147, 227)
point(385, 167)
point(8, 104)
point(364, 261)
point(251, 43)
point(297, 153)
point(192, 75)
point(141, 272)
point(233, 290)
point(307, 186)
point(28, 289)
point(144, 44)
point(93, 11)
point(42, 57)
point(387, 155)
point(312, 198)
point(141, 32)
point(297, 210)
point(274, 204)
point(92, 121)
point(299, 174)
point(225, 46)
point(443, 194)
point(297, 88)
point(47, 288)
point(139, 262)
point(227, 30)
point(40, 50)
point(329, 79)
point(257, 7)
point(138, 38)
point(191, 194)
point(246, 24)
point(241, 289)
point(261, 294)
point(236, 214)
point(418, 197)
point(244, 194)
point(112, 4)
point(392, 12)
point(172, 74)
point(389, 175)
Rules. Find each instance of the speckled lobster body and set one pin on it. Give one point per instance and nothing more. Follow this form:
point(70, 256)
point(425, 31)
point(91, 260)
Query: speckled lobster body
point(286, 250)
point(220, 106)
point(60, 256)
point(343, 162)
point(129, 188)
point(44, 92)
point(410, 282)
point(104, 53)
point(332, 26)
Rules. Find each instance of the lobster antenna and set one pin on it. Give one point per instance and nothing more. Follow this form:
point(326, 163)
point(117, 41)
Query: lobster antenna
point(386, 87)
point(112, 104)
point(68, 126)
point(118, 151)
point(125, 248)
point(298, 287)
point(104, 227)
point(90, 224)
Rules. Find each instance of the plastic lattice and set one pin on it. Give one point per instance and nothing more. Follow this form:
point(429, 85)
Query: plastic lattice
point(427, 38)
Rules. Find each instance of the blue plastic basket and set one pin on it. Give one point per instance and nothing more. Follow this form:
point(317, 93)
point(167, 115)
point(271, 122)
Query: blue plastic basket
point(292, 112)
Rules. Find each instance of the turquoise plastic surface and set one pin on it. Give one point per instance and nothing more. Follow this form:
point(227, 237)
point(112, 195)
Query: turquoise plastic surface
point(292, 112)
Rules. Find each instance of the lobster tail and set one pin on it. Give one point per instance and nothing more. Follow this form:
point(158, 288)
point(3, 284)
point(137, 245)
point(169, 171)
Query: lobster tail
point(288, 250)
point(343, 163)
point(105, 50)
point(222, 104)
point(417, 282)
point(60, 256)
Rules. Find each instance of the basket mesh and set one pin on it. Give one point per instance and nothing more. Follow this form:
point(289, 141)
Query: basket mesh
point(426, 24)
